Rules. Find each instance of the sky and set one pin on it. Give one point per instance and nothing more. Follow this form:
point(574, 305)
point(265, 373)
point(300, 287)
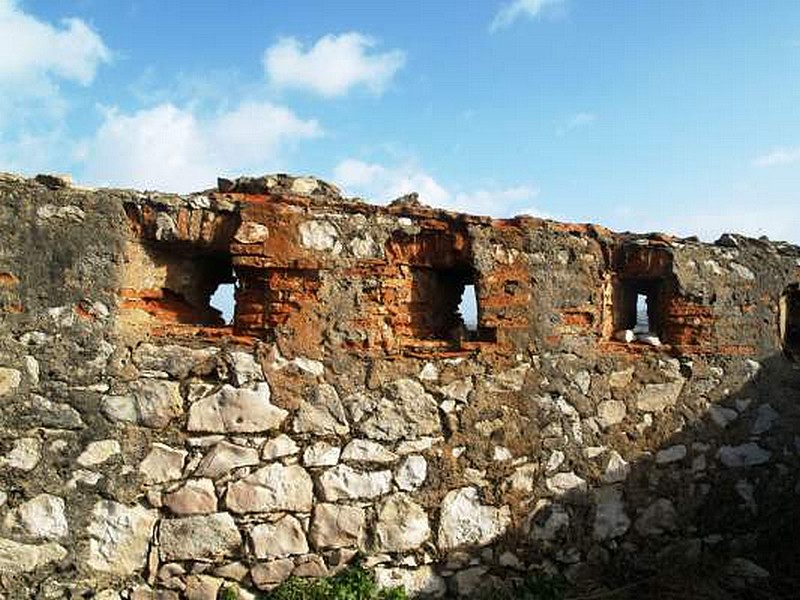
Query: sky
point(680, 116)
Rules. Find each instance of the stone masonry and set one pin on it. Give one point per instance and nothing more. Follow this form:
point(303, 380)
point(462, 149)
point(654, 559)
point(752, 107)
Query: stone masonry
point(149, 449)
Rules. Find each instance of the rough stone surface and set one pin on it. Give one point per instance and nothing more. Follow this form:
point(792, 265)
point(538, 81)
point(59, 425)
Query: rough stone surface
point(41, 517)
point(345, 483)
point(23, 558)
point(224, 457)
point(404, 411)
point(283, 538)
point(119, 537)
point(236, 410)
point(98, 452)
point(199, 538)
point(272, 488)
point(337, 526)
point(322, 414)
point(196, 496)
point(402, 524)
point(422, 581)
point(466, 521)
point(163, 463)
point(411, 473)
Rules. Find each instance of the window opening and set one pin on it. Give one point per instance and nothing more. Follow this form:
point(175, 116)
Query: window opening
point(468, 308)
point(223, 301)
point(790, 322)
point(642, 318)
point(637, 311)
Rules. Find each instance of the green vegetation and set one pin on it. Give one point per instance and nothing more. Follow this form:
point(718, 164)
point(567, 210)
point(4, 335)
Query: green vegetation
point(354, 583)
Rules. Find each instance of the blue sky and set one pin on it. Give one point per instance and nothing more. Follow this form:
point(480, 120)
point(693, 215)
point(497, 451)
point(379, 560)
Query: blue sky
point(675, 115)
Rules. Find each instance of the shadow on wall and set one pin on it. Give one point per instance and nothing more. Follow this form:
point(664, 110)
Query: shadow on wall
point(720, 511)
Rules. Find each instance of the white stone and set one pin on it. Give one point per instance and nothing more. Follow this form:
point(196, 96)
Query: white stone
point(245, 369)
point(411, 473)
point(41, 517)
point(556, 459)
point(251, 233)
point(402, 524)
point(421, 582)
point(429, 372)
point(196, 496)
point(359, 450)
point(610, 520)
point(414, 446)
point(278, 447)
point(625, 335)
point(321, 454)
point(307, 365)
point(162, 464)
point(205, 537)
point(9, 380)
point(465, 521)
point(565, 483)
point(83, 476)
point(523, 478)
point(337, 526)
point(98, 452)
point(617, 469)
point(23, 558)
point(611, 412)
point(151, 402)
point(319, 235)
point(344, 483)
point(671, 454)
point(656, 397)
point(744, 455)
point(322, 414)
point(584, 381)
point(284, 537)
point(271, 488)
point(224, 457)
point(24, 455)
point(236, 410)
point(406, 411)
point(119, 537)
point(32, 367)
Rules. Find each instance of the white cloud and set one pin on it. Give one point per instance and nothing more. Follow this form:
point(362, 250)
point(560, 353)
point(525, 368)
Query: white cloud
point(170, 148)
point(333, 65)
point(516, 9)
point(378, 183)
point(577, 120)
point(779, 156)
point(36, 52)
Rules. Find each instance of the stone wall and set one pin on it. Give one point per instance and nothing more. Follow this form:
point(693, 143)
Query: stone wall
point(149, 449)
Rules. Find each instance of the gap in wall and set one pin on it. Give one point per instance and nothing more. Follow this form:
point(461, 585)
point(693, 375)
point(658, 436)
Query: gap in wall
point(468, 308)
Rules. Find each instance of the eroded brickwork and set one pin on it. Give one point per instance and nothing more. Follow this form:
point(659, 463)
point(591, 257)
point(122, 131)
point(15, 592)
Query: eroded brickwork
point(150, 449)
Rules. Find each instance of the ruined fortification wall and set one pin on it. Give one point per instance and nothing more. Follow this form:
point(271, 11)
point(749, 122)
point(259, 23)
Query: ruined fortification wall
point(149, 448)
